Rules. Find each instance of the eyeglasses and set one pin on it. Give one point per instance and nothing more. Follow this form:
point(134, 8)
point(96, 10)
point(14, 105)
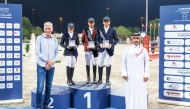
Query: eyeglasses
point(71, 27)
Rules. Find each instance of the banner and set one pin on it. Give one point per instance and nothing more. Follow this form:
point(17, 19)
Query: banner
point(174, 63)
point(10, 53)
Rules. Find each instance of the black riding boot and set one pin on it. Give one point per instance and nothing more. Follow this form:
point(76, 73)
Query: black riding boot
point(108, 71)
point(88, 73)
point(100, 70)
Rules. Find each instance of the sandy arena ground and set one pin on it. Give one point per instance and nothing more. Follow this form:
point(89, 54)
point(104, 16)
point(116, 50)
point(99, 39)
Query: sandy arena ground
point(29, 76)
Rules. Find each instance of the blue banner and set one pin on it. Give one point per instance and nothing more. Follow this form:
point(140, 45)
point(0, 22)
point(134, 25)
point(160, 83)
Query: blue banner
point(174, 63)
point(10, 53)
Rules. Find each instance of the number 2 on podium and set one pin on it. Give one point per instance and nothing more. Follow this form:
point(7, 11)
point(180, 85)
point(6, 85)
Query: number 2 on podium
point(88, 96)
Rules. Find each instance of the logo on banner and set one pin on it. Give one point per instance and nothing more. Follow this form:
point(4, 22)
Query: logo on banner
point(187, 95)
point(2, 25)
point(173, 56)
point(16, 70)
point(187, 79)
point(16, 26)
point(9, 85)
point(9, 25)
point(9, 48)
point(2, 55)
point(17, 62)
point(2, 63)
point(9, 33)
point(174, 42)
point(2, 33)
point(185, 34)
point(2, 48)
point(2, 78)
point(176, 94)
point(173, 63)
point(16, 48)
point(9, 78)
point(187, 87)
point(174, 27)
point(173, 79)
point(9, 63)
point(2, 70)
point(2, 40)
point(16, 33)
point(2, 85)
point(9, 70)
point(9, 55)
point(16, 40)
point(16, 55)
point(9, 40)
point(173, 86)
point(5, 13)
point(174, 49)
point(17, 77)
point(183, 71)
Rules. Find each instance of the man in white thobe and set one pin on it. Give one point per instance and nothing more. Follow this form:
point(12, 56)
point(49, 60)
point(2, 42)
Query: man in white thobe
point(135, 71)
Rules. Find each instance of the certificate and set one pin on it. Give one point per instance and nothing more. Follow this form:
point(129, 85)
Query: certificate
point(105, 43)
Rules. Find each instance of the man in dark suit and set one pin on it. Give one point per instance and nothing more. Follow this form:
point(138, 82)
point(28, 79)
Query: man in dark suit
point(70, 52)
point(106, 34)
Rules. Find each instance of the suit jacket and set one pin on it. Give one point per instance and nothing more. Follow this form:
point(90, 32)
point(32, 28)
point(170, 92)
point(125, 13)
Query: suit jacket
point(111, 35)
point(85, 40)
point(65, 42)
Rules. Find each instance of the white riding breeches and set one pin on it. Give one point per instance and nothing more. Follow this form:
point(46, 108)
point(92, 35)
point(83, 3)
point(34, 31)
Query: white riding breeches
point(104, 56)
point(90, 57)
point(70, 61)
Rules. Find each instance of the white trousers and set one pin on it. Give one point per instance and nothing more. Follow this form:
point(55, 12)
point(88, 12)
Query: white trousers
point(90, 57)
point(104, 56)
point(70, 61)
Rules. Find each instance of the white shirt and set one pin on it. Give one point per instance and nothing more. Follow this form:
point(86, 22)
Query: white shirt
point(91, 30)
point(71, 34)
point(106, 29)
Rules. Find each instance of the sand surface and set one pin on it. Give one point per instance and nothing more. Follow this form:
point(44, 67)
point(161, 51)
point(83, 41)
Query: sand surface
point(29, 76)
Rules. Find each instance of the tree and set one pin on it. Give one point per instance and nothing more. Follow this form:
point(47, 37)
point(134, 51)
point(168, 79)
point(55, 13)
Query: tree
point(25, 33)
point(136, 30)
point(154, 28)
point(37, 31)
point(122, 32)
point(26, 23)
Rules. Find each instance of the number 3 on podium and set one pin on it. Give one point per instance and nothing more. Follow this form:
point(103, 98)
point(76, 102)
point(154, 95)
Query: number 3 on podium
point(88, 96)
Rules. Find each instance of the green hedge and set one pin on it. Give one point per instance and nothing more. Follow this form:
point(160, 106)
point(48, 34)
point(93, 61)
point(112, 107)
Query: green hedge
point(26, 41)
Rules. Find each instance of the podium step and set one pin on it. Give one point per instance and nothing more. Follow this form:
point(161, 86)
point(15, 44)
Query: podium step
point(89, 96)
point(59, 98)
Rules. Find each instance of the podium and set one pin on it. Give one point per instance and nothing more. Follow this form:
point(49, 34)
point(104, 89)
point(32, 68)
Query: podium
point(117, 98)
point(89, 96)
point(59, 97)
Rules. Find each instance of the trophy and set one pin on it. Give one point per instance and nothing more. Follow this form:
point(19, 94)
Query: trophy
point(105, 43)
point(72, 44)
point(91, 45)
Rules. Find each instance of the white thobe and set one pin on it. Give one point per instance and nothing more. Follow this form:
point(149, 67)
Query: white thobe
point(136, 68)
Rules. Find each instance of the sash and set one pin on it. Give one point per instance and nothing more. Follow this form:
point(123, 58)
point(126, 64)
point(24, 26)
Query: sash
point(89, 35)
point(101, 34)
point(95, 52)
point(141, 50)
